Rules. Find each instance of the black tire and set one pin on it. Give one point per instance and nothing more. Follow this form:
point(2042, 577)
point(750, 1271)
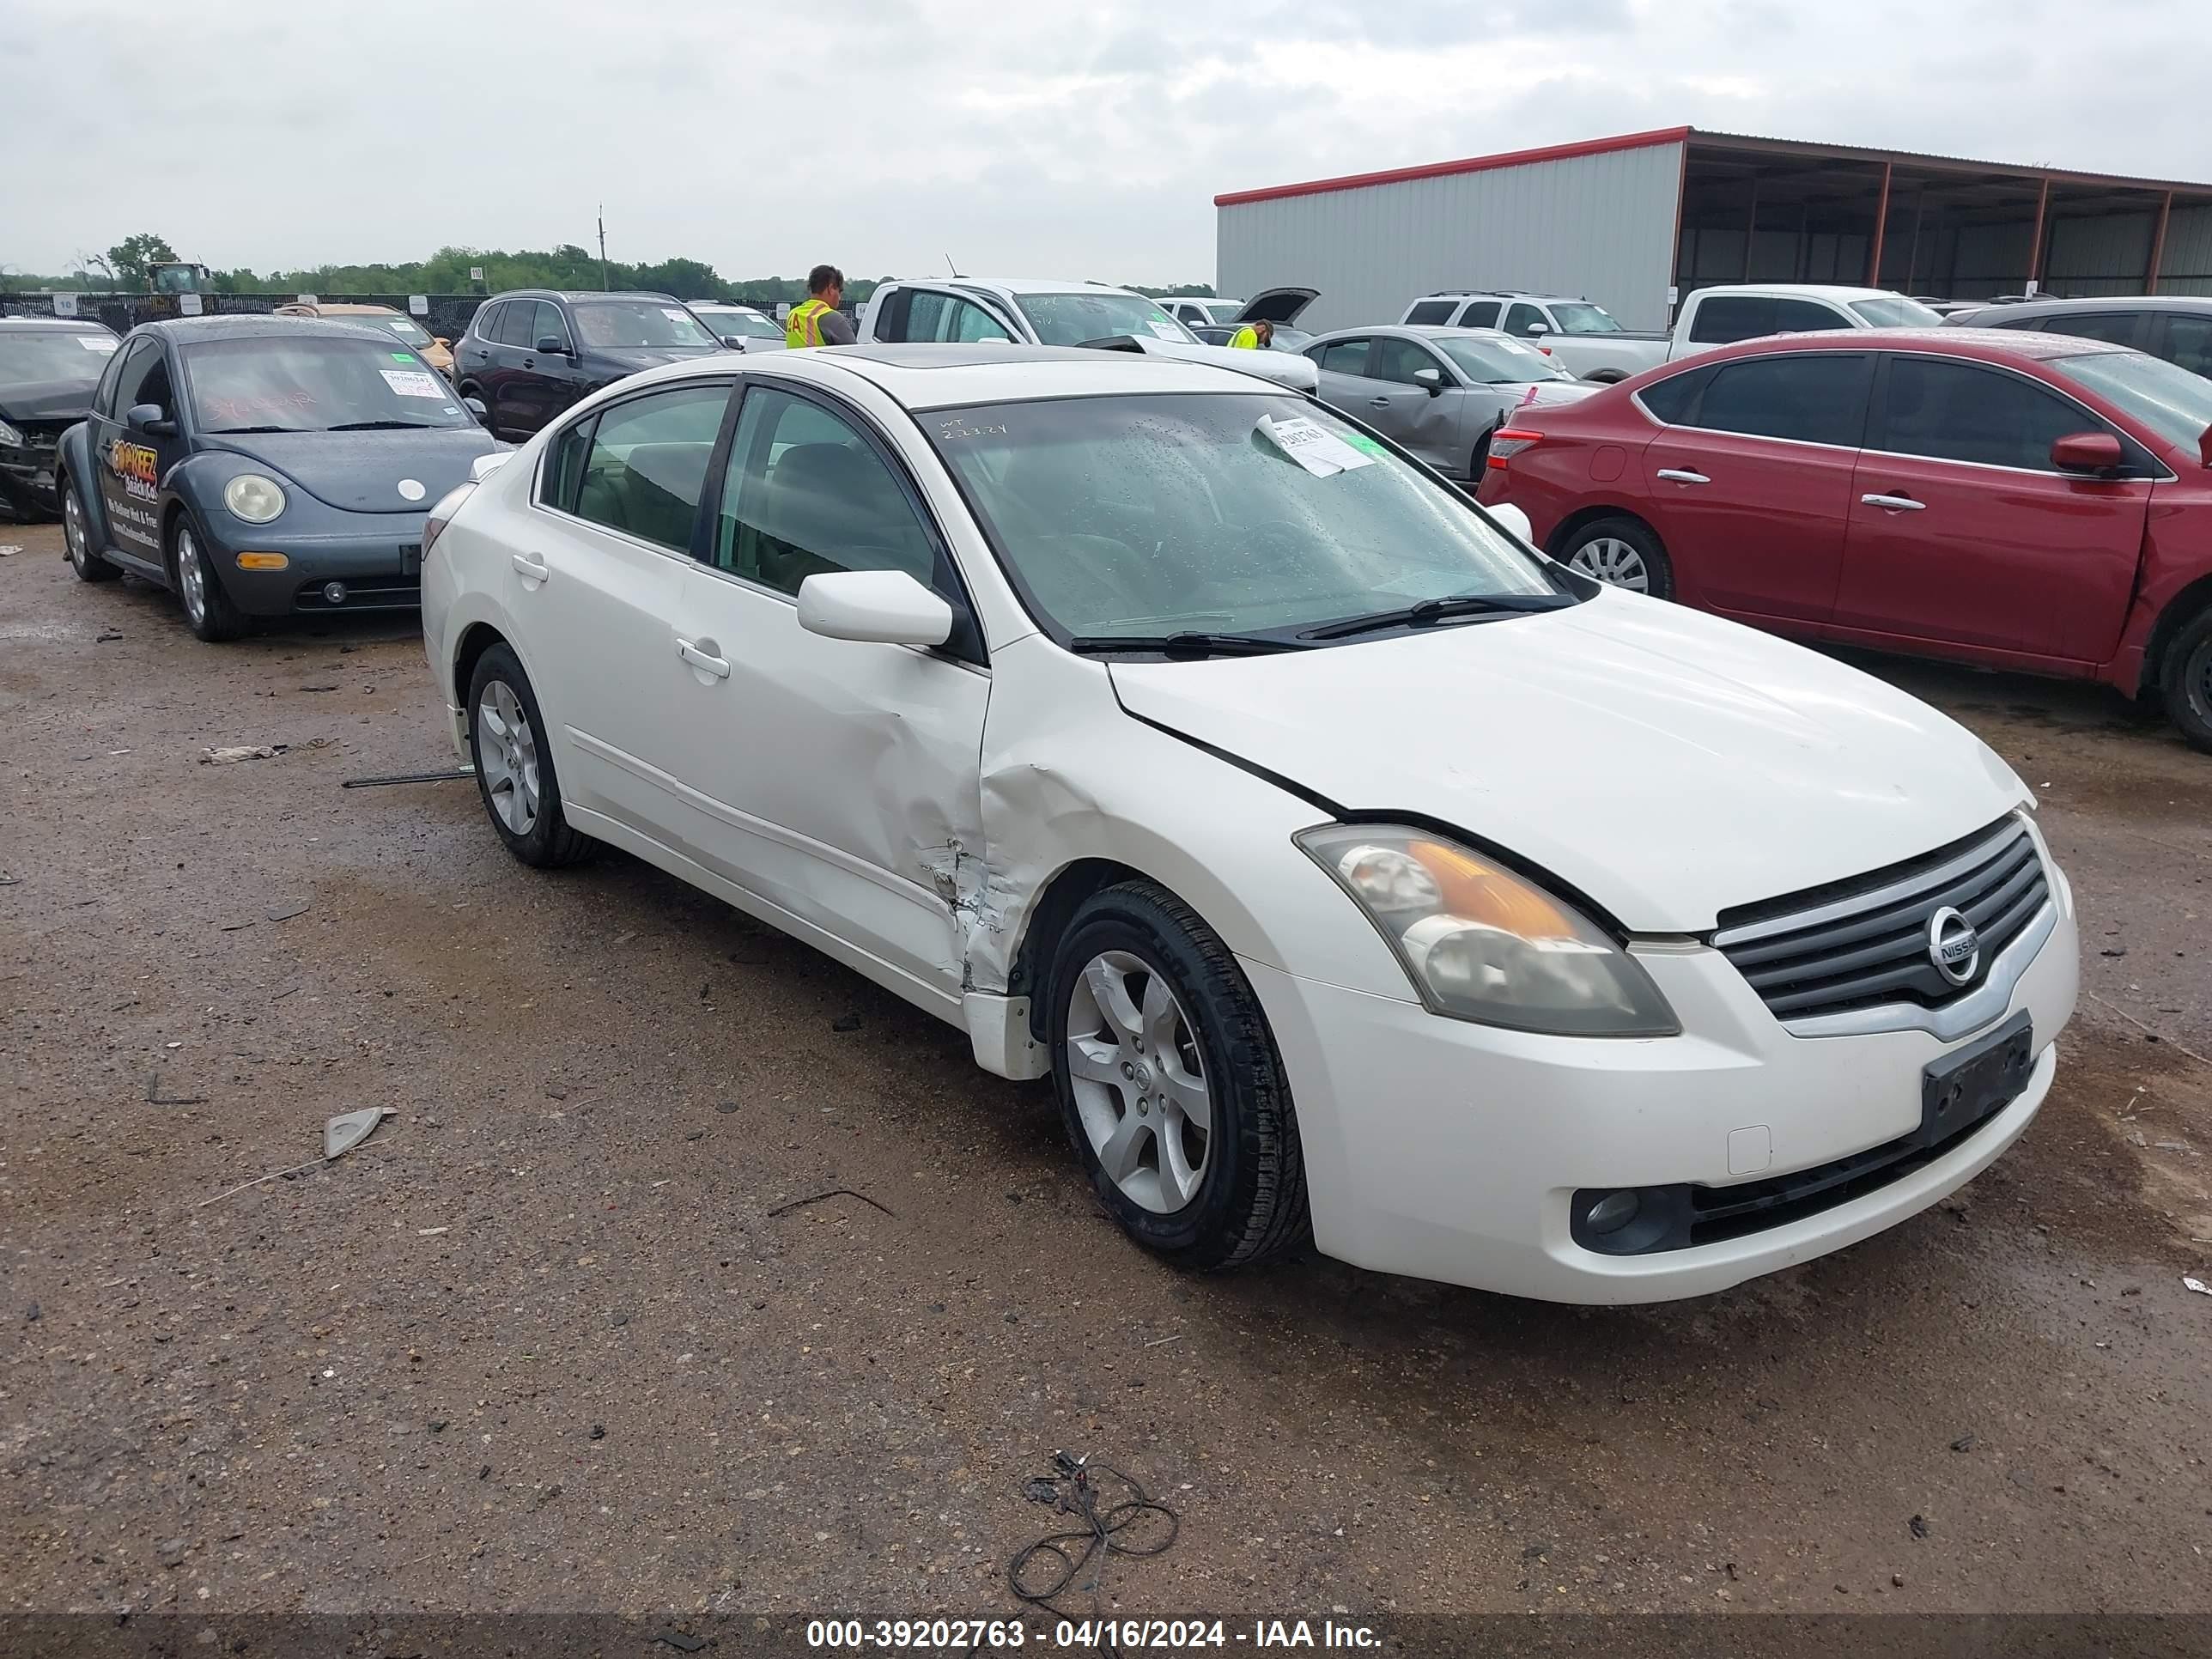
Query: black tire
point(542, 839)
point(76, 535)
point(1659, 570)
point(208, 608)
point(1251, 1200)
point(1481, 456)
point(2186, 681)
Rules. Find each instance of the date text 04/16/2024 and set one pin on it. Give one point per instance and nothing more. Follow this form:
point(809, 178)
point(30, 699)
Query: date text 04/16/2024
point(1086, 1633)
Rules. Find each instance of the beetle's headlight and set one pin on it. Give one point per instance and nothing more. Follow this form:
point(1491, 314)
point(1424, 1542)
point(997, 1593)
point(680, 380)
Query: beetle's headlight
point(253, 498)
point(12, 438)
point(1483, 944)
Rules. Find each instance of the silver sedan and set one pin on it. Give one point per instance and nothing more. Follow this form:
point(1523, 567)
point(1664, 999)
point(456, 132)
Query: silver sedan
point(1437, 392)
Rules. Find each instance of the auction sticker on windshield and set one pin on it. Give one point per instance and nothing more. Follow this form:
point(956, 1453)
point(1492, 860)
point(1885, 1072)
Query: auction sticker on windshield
point(413, 383)
point(1321, 453)
point(99, 343)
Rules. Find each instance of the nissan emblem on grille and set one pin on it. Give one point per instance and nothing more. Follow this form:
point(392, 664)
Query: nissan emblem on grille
point(1953, 946)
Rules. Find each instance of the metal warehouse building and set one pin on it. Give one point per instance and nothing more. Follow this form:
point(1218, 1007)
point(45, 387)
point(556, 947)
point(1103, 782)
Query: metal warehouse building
point(1634, 222)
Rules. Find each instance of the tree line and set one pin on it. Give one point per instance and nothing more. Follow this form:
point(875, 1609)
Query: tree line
point(127, 267)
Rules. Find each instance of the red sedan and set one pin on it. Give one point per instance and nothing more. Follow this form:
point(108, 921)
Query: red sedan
point(2028, 501)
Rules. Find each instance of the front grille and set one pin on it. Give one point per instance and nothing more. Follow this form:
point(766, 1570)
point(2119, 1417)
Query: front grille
point(1865, 942)
point(42, 434)
point(384, 593)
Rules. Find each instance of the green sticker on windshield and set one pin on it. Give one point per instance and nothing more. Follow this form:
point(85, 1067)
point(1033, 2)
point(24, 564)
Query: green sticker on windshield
point(402, 357)
point(1365, 445)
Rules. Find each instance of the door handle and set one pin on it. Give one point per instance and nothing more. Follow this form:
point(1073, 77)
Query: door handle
point(718, 666)
point(1378, 402)
point(1892, 503)
point(530, 565)
point(1682, 475)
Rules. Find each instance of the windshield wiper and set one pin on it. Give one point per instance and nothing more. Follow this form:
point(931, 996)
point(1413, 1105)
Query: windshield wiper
point(384, 426)
point(1182, 644)
point(231, 431)
point(1435, 611)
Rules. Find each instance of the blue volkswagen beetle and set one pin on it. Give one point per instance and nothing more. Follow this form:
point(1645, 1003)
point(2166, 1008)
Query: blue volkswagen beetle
point(263, 467)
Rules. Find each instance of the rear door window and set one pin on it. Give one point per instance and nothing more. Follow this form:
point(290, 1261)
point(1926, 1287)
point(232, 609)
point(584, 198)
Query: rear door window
point(485, 323)
point(645, 470)
point(1481, 313)
point(1803, 316)
point(1724, 318)
point(1343, 357)
point(1952, 411)
point(1815, 399)
point(1671, 399)
point(2120, 327)
point(1431, 311)
point(2188, 342)
point(517, 324)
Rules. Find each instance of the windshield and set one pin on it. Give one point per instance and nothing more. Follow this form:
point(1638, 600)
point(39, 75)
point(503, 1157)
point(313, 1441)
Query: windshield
point(2165, 396)
point(750, 323)
point(1068, 319)
point(404, 328)
point(1578, 317)
point(43, 356)
point(1498, 360)
point(1898, 312)
point(1158, 514)
point(639, 323)
point(313, 383)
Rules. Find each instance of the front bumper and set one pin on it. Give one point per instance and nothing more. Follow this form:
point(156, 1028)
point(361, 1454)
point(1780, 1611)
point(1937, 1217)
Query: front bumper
point(26, 480)
point(378, 558)
point(1451, 1151)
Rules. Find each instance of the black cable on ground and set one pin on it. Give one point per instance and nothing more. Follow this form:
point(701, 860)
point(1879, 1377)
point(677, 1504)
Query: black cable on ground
point(1105, 1531)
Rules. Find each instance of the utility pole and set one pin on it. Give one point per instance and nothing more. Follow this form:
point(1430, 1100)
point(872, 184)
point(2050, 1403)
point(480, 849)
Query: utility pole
point(603, 247)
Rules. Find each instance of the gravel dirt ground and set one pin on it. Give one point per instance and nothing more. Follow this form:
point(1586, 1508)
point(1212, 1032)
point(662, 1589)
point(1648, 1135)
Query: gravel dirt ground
point(545, 1342)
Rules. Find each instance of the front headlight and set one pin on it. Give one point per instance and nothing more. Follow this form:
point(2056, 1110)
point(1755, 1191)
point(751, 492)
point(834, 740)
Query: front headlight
point(253, 498)
point(12, 438)
point(1481, 942)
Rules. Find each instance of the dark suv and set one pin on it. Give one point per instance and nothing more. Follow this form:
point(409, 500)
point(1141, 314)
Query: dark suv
point(2175, 327)
point(530, 354)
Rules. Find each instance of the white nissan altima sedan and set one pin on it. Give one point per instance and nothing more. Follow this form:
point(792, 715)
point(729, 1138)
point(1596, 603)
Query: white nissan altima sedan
point(1352, 870)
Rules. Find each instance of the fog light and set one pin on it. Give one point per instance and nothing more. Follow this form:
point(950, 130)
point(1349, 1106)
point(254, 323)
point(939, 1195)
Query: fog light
point(334, 593)
point(262, 562)
point(1611, 1213)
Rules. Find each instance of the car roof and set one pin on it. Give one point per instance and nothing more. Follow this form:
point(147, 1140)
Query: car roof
point(950, 376)
point(1496, 293)
point(1800, 290)
point(1021, 285)
point(581, 293)
point(1991, 344)
point(2057, 307)
point(1414, 331)
point(186, 331)
point(58, 325)
point(328, 308)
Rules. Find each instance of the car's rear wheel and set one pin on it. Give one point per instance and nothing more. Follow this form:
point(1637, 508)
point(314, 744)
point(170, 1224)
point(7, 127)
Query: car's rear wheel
point(207, 606)
point(514, 765)
point(1173, 1095)
point(2186, 684)
point(77, 536)
point(1621, 552)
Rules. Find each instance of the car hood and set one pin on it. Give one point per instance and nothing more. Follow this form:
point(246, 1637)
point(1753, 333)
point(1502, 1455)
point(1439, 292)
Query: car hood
point(360, 471)
point(47, 400)
point(631, 359)
point(1296, 373)
point(1667, 764)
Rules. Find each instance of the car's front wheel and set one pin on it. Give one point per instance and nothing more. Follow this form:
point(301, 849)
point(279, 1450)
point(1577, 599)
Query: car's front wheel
point(2187, 683)
point(1621, 552)
point(515, 766)
point(207, 604)
point(77, 536)
point(1173, 1095)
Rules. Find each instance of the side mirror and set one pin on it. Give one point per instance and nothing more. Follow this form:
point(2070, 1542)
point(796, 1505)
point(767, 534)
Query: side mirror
point(735, 341)
point(548, 345)
point(476, 407)
point(151, 419)
point(1512, 518)
point(2086, 452)
point(1432, 378)
point(1539, 328)
point(878, 607)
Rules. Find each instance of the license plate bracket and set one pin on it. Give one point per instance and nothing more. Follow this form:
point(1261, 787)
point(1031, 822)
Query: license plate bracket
point(1961, 1089)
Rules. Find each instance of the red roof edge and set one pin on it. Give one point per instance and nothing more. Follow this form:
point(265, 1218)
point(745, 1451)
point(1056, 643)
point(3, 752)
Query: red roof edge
point(1472, 164)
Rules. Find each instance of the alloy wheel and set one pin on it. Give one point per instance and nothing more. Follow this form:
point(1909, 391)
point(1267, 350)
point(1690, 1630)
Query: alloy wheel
point(1140, 1083)
point(1613, 561)
point(73, 531)
point(191, 576)
point(506, 754)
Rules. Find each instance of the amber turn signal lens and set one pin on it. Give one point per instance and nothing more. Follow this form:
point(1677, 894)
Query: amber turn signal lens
point(262, 562)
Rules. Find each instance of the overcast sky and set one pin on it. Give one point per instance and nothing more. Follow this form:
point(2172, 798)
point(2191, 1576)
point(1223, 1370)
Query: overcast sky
point(1056, 139)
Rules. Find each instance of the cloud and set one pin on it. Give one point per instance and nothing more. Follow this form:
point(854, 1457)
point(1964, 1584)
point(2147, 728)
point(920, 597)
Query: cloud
point(883, 134)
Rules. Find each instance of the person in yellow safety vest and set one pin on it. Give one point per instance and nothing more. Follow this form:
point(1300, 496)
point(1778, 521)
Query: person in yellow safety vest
point(816, 320)
point(1255, 336)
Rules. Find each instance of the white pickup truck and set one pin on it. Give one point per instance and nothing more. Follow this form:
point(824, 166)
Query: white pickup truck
point(1585, 339)
point(1036, 312)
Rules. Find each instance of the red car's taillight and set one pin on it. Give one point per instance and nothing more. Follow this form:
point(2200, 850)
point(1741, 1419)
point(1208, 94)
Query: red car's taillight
point(442, 514)
point(1507, 442)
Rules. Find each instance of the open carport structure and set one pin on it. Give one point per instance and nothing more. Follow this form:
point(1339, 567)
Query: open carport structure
point(1638, 221)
